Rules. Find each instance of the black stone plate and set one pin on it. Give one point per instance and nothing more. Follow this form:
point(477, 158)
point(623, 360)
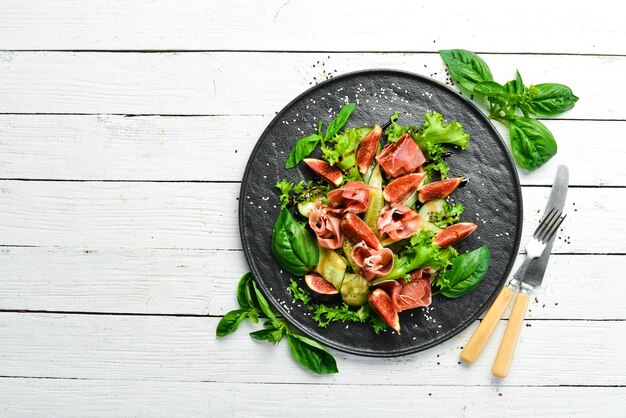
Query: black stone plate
point(492, 200)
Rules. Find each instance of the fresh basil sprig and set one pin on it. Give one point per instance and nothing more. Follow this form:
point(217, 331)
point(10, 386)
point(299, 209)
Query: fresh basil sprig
point(466, 68)
point(250, 308)
point(311, 355)
point(532, 144)
point(550, 99)
point(253, 305)
point(292, 245)
point(467, 270)
point(302, 149)
point(336, 124)
point(305, 146)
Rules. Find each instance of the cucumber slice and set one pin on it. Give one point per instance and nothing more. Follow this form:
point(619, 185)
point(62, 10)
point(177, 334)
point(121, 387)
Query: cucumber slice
point(331, 267)
point(348, 245)
point(411, 200)
point(377, 203)
point(354, 290)
point(430, 226)
point(305, 208)
point(432, 206)
point(374, 177)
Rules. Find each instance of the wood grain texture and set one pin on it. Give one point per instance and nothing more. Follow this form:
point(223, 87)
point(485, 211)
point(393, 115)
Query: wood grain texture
point(534, 26)
point(110, 147)
point(103, 398)
point(212, 83)
point(186, 349)
point(204, 215)
point(202, 282)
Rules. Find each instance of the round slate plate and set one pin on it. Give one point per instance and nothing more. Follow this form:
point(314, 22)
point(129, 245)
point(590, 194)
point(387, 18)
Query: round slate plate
point(492, 200)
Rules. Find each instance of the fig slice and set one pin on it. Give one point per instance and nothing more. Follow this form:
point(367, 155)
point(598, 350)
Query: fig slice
point(398, 190)
point(454, 233)
point(439, 189)
point(383, 306)
point(367, 149)
point(357, 230)
point(328, 172)
point(321, 288)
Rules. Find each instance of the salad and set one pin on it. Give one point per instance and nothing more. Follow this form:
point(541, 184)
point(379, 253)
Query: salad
point(374, 235)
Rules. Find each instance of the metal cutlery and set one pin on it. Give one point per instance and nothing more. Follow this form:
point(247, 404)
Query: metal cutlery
point(528, 276)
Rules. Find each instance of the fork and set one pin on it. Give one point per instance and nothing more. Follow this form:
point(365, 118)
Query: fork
point(543, 234)
point(535, 246)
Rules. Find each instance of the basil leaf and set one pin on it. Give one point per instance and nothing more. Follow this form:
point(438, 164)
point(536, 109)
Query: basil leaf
point(243, 295)
point(301, 149)
point(551, 99)
point(490, 88)
point(519, 84)
point(467, 271)
point(253, 315)
point(319, 128)
point(292, 245)
point(272, 335)
point(466, 68)
point(265, 307)
point(311, 355)
point(532, 144)
point(336, 124)
point(230, 322)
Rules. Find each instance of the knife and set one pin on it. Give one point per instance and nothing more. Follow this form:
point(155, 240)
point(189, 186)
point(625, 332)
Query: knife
point(529, 280)
point(536, 269)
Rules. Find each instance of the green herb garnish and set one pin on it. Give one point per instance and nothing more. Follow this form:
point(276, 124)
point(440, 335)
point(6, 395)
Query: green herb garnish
point(253, 305)
point(532, 144)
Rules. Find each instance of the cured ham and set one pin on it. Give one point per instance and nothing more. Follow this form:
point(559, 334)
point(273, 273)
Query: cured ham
point(373, 263)
point(353, 197)
point(409, 295)
point(398, 223)
point(327, 227)
point(401, 158)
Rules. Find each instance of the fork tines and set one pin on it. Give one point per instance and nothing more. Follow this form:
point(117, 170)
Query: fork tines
point(549, 225)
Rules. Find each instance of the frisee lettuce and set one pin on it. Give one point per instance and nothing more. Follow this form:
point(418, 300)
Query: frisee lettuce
point(450, 215)
point(340, 150)
point(436, 131)
point(325, 314)
point(396, 130)
point(420, 251)
point(303, 191)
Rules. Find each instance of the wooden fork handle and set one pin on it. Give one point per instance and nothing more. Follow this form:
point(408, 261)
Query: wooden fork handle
point(511, 334)
point(476, 344)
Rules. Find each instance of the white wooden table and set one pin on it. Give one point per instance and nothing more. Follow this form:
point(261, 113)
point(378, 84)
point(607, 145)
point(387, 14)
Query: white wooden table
point(124, 131)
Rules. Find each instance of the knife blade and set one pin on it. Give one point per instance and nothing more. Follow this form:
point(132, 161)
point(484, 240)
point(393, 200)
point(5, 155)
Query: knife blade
point(536, 269)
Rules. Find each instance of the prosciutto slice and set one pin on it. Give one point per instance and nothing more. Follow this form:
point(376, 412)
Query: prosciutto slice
point(401, 158)
point(373, 263)
point(353, 197)
point(398, 223)
point(327, 227)
point(414, 294)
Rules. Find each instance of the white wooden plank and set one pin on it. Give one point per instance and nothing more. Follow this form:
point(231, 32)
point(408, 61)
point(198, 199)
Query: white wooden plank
point(186, 349)
point(204, 215)
point(156, 215)
point(212, 83)
point(109, 147)
point(534, 26)
point(201, 282)
point(196, 282)
point(103, 398)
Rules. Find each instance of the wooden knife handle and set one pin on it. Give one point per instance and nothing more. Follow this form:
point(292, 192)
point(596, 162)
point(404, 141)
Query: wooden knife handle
point(476, 344)
point(511, 333)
